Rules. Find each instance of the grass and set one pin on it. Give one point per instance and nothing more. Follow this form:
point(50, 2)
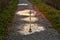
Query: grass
point(52, 14)
point(6, 16)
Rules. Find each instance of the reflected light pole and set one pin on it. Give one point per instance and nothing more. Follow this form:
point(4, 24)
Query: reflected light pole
point(30, 30)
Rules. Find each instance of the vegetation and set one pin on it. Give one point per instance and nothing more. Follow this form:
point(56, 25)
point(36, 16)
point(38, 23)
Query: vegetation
point(7, 8)
point(50, 12)
point(53, 3)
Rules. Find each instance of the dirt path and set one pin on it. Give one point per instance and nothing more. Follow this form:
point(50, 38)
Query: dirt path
point(40, 26)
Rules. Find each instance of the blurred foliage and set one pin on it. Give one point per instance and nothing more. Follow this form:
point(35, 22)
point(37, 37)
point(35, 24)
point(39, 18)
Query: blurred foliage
point(50, 12)
point(54, 3)
point(7, 9)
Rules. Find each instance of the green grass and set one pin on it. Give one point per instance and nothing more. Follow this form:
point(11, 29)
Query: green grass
point(6, 16)
point(52, 14)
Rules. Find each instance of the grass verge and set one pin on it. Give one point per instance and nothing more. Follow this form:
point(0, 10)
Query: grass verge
point(6, 16)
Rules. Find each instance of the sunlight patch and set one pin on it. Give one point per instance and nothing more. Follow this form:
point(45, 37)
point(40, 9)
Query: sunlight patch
point(25, 13)
point(33, 19)
point(34, 28)
point(23, 4)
